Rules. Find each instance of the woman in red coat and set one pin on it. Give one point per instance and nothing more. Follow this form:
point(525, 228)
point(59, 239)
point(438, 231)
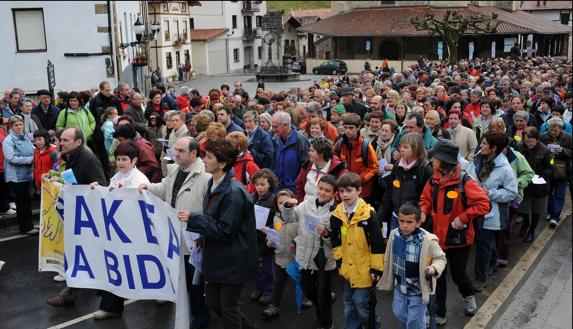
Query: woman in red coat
point(245, 166)
point(453, 212)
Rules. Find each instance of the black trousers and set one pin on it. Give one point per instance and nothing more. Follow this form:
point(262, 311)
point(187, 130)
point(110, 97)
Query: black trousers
point(281, 277)
point(23, 205)
point(4, 194)
point(223, 299)
point(317, 287)
point(199, 309)
point(457, 262)
point(111, 303)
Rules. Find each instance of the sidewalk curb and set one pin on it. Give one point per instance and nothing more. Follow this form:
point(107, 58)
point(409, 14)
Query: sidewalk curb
point(496, 300)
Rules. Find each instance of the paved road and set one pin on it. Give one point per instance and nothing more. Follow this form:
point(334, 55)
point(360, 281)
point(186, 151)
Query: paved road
point(204, 84)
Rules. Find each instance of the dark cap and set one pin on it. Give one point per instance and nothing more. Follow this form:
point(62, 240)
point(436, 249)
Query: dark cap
point(42, 92)
point(445, 151)
point(347, 91)
point(189, 116)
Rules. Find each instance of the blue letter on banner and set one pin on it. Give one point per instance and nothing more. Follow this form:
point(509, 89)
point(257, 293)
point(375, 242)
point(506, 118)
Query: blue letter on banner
point(173, 247)
point(141, 259)
point(89, 222)
point(80, 255)
point(113, 267)
point(109, 220)
point(147, 223)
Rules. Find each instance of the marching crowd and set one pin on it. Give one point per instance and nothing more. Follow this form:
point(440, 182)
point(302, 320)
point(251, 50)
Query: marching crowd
point(386, 178)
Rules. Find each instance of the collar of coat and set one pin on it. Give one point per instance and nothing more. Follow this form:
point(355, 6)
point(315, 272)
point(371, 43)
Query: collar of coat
point(361, 213)
point(229, 175)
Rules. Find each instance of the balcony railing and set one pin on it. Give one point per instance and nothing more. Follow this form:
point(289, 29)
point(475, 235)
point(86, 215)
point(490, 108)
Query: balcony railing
point(251, 34)
point(250, 7)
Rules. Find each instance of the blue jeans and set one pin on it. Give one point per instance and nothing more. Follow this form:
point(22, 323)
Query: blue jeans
point(409, 310)
point(356, 305)
point(485, 242)
point(556, 197)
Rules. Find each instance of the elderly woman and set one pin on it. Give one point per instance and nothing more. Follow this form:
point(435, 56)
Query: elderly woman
point(515, 132)
point(260, 142)
point(534, 202)
point(31, 121)
point(481, 123)
point(322, 161)
point(245, 166)
point(18, 165)
point(491, 169)
point(559, 143)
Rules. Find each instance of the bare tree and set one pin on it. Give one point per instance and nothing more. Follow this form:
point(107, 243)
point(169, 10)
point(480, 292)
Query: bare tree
point(452, 26)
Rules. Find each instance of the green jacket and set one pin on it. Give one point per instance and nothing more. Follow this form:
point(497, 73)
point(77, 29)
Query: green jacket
point(522, 170)
point(82, 119)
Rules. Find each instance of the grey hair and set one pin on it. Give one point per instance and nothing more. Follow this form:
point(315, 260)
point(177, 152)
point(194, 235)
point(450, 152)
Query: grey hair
point(522, 114)
point(555, 122)
point(210, 114)
point(14, 119)
point(319, 92)
point(313, 107)
point(167, 116)
point(132, 96)
point(253, 115)
point(283, 117)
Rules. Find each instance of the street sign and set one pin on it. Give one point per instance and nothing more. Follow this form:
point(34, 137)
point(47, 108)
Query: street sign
point(51, 77)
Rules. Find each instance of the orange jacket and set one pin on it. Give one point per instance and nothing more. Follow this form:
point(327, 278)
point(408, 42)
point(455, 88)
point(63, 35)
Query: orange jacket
point(448, 204)
point(354, 162)
point(44, 162)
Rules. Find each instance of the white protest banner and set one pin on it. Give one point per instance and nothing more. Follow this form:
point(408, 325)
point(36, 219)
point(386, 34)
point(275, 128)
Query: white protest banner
point(122, 241)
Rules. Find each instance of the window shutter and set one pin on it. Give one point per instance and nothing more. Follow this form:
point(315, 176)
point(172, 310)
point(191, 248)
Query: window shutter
point(30, 29)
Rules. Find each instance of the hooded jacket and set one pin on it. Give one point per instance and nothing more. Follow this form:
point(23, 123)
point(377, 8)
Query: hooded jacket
point(501, 186)
point(447, 204)
point(44, 162)
point(308, 244)
point(357, 244)
point(246, 163)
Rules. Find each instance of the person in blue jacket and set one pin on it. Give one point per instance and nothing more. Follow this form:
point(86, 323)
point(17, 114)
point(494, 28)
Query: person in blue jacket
point(260, 142)
point(290, 151)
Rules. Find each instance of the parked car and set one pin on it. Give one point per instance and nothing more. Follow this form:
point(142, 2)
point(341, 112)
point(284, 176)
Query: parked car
point(299, 66)
point(331, 67)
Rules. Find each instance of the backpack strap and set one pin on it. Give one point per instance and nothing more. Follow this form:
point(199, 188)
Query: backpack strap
point(365, 144)
point(244, 179)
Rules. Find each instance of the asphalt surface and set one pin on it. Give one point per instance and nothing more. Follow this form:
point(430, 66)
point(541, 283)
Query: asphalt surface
point(24, 290)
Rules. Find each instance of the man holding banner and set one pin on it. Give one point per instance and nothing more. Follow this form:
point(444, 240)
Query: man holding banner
point(227, 226)
point(87, 169)
point(184, 188)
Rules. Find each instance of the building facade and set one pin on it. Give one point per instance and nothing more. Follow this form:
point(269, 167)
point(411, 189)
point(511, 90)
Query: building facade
point(556, 11)
point(239, 48)
point(300, 44)
point(76, 37)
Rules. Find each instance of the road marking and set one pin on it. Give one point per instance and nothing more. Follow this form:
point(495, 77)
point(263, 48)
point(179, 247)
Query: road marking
point(83, 318)
point(17, 236)
point(504, 290)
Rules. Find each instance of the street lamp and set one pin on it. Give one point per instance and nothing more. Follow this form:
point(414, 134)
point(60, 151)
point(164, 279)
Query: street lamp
point(141, 36)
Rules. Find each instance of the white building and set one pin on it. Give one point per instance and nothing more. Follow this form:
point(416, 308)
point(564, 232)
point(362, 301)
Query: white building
point(557, 11)
point(301, 44)
point(75, 36)
point(226, 36)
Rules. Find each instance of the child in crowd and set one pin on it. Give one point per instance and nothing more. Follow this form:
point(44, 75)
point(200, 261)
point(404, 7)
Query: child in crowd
point(358, 247)
point(45, 155)
point(107, 126)
point(413, 261)
point(265, 183)
point(284, 254)
point(313, 248)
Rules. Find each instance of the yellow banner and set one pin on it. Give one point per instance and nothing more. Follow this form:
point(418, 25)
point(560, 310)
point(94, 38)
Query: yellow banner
point(51, 246)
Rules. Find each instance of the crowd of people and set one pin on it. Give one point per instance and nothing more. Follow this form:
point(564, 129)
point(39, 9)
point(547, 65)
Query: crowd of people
point(388, 178)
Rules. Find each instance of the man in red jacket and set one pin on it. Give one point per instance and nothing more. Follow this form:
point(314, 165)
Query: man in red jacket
point(360, 159)
point(453, 211)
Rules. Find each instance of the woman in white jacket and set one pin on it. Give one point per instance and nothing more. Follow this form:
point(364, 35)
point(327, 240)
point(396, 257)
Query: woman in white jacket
point(128, 176)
